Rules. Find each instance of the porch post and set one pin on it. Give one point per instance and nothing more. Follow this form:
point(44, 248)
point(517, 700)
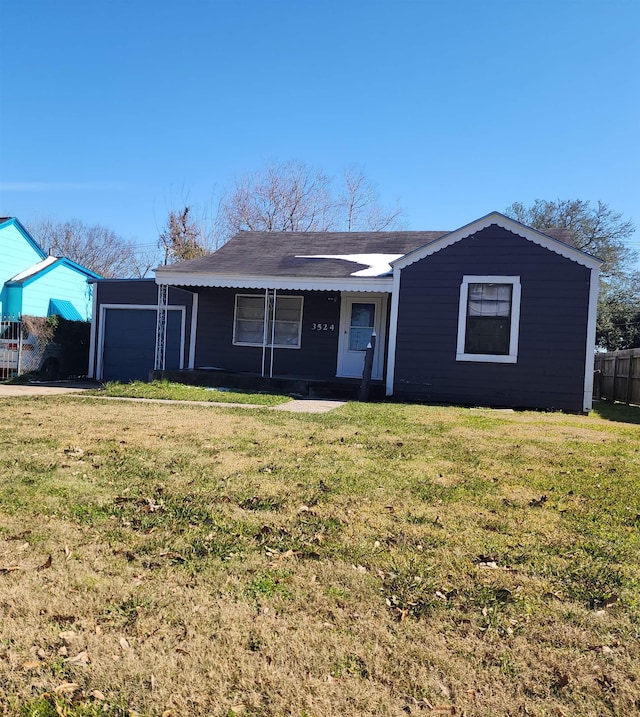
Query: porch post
point(194, 327)
point(273, 332)
point(265, 327)
point(161, 327)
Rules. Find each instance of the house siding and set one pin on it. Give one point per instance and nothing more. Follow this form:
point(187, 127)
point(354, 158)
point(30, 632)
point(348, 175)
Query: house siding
point(316, 357)
point(60, 282)
point(549, 372)
point(137, 293)
point(17, 253)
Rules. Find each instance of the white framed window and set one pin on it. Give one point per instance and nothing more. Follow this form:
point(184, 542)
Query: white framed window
point(278, 325)
point(489, 319)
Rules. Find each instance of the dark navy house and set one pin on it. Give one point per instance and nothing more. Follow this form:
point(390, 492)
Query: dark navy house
point(494, 313)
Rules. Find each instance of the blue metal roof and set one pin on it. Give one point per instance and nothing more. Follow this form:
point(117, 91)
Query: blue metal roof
point(65, 309)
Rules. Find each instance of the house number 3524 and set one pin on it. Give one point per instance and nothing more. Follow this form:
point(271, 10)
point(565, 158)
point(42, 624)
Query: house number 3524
point(323, 327)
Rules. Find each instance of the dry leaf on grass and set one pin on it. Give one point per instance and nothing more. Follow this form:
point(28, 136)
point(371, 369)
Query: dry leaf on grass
point(82, 658)
point(46, 564)
point(284, 556)
point(66, 688)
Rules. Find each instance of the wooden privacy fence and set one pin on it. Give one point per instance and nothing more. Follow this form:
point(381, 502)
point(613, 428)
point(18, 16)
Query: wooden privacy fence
point(617, 376)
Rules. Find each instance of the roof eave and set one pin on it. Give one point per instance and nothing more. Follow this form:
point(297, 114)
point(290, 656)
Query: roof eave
point(295, 283)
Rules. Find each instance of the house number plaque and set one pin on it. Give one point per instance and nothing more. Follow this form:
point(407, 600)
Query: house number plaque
point(323, 327)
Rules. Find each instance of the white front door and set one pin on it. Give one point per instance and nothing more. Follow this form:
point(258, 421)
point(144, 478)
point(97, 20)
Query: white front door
point(360, 316)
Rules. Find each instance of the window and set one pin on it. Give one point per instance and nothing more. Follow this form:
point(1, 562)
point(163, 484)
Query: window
point(488, 319)
point(284, 321)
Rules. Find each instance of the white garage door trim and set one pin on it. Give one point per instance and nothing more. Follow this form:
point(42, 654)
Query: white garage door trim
point(135, 307)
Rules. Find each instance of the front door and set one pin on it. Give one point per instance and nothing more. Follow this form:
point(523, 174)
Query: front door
point(360, 316)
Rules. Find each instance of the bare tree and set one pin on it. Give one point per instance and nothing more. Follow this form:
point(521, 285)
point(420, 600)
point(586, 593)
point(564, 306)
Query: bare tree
point(147, 257)
point(293, 196)
point(283, 197)
point(359, 207)
point(182, 237)
point(95, 247)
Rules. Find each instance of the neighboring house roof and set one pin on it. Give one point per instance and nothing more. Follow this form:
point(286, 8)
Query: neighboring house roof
point(24, 277)
point(15, 222)
point(352, 261)
point(33, 270)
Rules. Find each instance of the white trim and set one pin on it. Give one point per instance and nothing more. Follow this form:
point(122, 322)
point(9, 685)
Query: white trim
point(194, 329)
point(591, 340)
point(273, 329)
point(512, 356)
point(265, 324)
point(92, 339)
point(183, 327)
point(532, 235)
point(381, 301)
point(350, 284)
point(393, 331)
point(134, 307)
point(265, 344)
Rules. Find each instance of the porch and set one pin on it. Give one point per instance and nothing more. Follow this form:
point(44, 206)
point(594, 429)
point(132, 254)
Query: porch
point(342, 388)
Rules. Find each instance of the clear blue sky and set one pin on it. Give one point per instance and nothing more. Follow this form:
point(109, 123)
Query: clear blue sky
point(114, 112)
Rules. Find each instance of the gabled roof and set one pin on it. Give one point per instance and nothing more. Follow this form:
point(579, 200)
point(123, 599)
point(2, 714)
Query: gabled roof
point(8, 221)
point(545, 240)
point(33, 270)
point(42, 267)
point(348, 261)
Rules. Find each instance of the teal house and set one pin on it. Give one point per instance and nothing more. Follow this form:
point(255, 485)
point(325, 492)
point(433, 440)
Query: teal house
point(33, 283)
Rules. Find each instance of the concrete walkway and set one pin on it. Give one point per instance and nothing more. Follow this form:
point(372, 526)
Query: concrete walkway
point(46, 388)
point(309, 405)
point(76, 389)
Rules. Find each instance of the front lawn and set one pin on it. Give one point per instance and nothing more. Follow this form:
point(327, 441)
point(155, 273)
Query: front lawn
point(182, 392)
point(381, 559)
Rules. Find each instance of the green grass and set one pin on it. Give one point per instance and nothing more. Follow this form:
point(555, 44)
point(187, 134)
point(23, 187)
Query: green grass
point(182, 392)
point(379, 559)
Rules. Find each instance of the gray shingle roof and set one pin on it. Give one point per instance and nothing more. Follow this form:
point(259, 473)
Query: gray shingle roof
point(283, 253)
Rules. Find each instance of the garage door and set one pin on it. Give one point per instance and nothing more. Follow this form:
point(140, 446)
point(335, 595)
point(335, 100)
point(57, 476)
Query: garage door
point(129, 343)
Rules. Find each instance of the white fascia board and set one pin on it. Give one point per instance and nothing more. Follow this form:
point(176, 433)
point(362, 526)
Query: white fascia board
point(393, 332)
point(379, 284)
point(590, 349)
point(194, 329)
point(92, 339)
point(532, 235)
